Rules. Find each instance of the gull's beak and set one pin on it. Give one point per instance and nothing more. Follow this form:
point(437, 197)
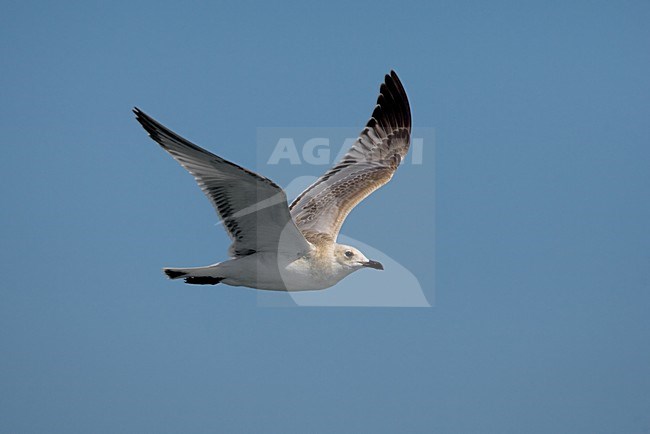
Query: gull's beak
point(373, 264)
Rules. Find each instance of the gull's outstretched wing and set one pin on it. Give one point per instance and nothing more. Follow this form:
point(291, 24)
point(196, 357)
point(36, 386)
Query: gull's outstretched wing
point(369, 164)
point(253, 209)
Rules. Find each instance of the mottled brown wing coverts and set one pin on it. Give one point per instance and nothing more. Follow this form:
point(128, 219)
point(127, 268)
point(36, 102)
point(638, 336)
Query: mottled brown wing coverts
point(369, 164)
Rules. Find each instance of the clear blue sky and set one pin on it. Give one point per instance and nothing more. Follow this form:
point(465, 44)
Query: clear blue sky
point(542, 285)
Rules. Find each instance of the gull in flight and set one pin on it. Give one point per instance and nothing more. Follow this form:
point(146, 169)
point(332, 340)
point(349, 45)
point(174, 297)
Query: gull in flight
point(276, 246)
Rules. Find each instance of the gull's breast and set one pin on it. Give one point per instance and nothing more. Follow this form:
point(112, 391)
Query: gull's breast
point(306, 273)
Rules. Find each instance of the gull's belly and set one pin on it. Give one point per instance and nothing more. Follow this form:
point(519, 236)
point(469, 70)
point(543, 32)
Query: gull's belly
point(272, 272)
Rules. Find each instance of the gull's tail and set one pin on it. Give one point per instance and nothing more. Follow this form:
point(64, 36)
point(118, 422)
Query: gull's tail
point(194, 276)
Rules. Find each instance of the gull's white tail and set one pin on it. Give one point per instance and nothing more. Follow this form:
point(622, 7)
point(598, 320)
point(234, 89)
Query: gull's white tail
point(196, 275)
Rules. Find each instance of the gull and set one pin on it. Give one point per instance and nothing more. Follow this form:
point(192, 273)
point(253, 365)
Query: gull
point(276, 246)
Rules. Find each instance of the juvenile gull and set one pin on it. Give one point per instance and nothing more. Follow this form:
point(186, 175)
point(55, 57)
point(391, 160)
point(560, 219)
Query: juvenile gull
point(292, 248)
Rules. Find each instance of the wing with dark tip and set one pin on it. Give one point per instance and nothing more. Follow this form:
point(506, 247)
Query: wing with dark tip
point(369, 164)
point(252, 208)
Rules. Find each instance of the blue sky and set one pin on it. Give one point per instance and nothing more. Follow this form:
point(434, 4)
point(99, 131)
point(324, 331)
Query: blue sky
point(538, 272)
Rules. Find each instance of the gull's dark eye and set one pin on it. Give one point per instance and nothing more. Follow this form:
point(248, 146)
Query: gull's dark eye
point(349, 254)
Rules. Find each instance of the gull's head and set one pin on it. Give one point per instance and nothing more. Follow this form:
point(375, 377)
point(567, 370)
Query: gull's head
point(352, 259)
